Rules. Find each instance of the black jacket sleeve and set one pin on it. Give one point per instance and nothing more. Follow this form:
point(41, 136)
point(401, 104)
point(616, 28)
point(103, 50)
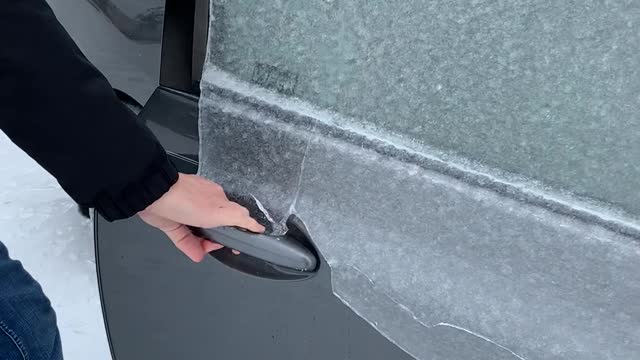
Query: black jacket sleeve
point(60, 109)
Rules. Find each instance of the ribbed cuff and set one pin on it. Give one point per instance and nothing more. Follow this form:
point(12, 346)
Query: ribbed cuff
point(138, 195)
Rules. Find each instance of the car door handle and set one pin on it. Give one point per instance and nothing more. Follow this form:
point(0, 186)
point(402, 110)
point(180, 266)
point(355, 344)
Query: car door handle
point(281, 250)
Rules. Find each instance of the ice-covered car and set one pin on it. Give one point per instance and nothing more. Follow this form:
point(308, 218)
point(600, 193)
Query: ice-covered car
point(459, 180)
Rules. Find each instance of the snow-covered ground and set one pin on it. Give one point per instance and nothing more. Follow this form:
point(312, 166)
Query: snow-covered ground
point(41, 227)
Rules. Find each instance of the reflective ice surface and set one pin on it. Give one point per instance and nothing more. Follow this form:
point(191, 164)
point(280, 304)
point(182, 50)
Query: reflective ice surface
point(546, 89)
point(447, 258)
point(439, 266)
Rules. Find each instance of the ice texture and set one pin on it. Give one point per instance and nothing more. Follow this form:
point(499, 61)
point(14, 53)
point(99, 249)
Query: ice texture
point(245, 159)
point(447, 258)
point(441, 267)
point(546, 89)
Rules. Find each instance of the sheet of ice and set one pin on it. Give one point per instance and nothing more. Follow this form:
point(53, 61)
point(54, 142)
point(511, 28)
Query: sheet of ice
point(546, 89)
point(447, 259)
point(41, 227)
point(441, 267)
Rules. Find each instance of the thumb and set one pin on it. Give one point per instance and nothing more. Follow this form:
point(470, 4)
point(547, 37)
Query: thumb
point(236, 215)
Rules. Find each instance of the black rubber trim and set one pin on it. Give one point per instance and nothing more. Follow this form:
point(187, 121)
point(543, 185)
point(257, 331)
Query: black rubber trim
point(177, 45)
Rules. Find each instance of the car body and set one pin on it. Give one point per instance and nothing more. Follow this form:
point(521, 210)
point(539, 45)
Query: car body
point(452, 253)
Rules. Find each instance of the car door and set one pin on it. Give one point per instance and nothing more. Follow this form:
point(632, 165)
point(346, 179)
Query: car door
point(275, 317)
point(444, 168)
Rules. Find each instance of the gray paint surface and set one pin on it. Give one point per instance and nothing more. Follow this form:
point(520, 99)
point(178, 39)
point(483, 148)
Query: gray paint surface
point(159, 305)
point(545, 89)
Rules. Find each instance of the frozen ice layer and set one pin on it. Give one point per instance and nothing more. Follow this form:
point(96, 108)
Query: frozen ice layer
point(250, 163)
point(442, 268)
point(528, 248)
point(541, 285)
point(546, 89)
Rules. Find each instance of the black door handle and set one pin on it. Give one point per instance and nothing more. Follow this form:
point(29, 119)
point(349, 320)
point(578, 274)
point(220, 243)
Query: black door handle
point(281, 250)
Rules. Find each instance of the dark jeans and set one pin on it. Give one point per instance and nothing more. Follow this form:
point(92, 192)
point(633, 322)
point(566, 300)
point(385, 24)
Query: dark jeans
point(28, 329)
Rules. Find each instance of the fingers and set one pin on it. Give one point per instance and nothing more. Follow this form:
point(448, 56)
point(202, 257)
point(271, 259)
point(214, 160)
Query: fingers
point(191, 245)
point(209, 246)
point(250, 224)
point(236, 215)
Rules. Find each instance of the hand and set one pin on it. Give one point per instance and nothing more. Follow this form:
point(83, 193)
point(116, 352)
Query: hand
point(195, 201)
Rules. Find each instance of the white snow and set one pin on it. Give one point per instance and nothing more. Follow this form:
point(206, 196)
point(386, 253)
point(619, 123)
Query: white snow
point(42, 228)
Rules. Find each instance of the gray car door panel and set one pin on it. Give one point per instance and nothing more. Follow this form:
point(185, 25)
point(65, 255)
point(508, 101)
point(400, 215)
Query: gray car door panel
point(489, 286)
point(159, 305)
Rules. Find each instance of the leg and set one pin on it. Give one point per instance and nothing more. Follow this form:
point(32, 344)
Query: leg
point(28, 329)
